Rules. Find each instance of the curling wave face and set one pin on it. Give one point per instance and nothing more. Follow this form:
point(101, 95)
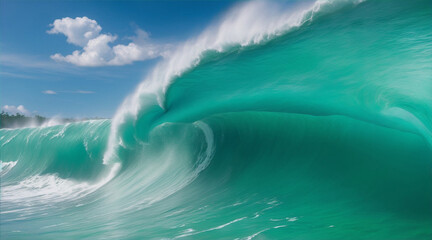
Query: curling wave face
point(280, 121)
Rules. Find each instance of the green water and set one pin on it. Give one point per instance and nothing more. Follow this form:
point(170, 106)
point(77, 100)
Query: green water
point(321, 132)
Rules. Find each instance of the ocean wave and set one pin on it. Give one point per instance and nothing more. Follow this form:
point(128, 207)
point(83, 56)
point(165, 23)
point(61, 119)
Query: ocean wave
point(278, 121)
point(247, 24)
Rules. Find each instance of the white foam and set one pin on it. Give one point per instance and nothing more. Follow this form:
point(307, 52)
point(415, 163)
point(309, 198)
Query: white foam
point(6, 167)
point(60, 134)
point(226, 224)
point(256, 234)
point(210, 229)
point(51, 188)
point(9, 139)
point(45, 187)
point(54, 121)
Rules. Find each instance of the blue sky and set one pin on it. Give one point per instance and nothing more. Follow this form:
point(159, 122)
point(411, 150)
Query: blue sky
point(37, 38)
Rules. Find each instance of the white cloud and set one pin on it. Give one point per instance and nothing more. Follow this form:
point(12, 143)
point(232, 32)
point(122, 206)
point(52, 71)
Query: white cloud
point(79, 31)
point(96, 49)
point(51, 92)
point(14, 110)
point(97, 52)
point(84, 92)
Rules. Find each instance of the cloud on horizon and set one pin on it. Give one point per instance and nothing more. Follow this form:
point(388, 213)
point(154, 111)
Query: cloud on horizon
point(83, 92)
point(51, 92)
point(14, 110)
point(96, 49)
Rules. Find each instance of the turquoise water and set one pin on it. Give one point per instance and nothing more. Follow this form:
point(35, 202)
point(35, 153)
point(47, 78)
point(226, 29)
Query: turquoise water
point(316, 130)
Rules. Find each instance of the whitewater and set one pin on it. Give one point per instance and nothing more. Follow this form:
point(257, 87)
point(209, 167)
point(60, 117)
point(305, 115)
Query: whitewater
point(281, 120)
